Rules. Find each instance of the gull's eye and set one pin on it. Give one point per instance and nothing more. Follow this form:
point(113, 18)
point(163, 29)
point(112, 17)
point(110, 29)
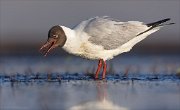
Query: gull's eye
point(55, 36)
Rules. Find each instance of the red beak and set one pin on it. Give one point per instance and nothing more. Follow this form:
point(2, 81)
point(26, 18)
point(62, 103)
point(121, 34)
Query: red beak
point(48, 46)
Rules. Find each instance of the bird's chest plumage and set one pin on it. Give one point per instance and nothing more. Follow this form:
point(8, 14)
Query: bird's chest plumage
point(89, 51)
point(82, 49)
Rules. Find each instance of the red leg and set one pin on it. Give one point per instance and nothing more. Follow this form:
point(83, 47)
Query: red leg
point(98, 69)
point(104, 70)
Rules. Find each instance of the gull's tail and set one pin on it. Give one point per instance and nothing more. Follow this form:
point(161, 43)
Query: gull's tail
point(159, 23)
point(156, 25)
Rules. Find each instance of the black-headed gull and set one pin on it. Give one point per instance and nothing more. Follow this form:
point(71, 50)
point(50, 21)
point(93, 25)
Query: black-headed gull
point(100, 38)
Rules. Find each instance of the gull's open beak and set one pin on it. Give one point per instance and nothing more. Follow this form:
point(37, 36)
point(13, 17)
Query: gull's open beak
point(48, 46)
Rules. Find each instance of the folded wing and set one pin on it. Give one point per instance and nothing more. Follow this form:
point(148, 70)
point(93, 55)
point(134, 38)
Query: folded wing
point(111, 33)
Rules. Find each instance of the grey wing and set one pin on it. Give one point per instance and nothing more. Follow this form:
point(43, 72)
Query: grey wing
point(111, 33)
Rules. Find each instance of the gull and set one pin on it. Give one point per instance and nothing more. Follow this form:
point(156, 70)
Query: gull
point(100, 38)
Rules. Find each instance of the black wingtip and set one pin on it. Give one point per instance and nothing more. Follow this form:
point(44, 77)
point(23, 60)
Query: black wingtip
point(164, 20)
point(154, 24)
point(167, 19)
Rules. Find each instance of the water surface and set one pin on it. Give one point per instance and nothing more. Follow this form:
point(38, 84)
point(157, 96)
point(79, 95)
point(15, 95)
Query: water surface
point(66, 83)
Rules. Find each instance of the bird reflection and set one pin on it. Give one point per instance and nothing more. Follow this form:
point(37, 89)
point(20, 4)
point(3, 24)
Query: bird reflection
point(101, 103)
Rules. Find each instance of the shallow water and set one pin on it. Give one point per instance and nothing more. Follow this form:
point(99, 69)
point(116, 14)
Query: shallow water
point(136, 64)
point(66, 83)
point(91, 95)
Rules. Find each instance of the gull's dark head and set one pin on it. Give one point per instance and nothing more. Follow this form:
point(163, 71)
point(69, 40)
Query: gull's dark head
point(56, 38)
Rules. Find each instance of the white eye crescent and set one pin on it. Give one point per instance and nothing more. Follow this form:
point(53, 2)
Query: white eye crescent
point(56, 36)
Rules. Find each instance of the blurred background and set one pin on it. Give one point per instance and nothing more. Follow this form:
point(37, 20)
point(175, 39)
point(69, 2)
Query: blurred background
point(24, 24)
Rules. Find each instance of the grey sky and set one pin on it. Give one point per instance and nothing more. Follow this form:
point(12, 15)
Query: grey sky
point(29, 21)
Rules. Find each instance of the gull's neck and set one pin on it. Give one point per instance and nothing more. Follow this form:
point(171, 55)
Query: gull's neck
point(72, 44)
